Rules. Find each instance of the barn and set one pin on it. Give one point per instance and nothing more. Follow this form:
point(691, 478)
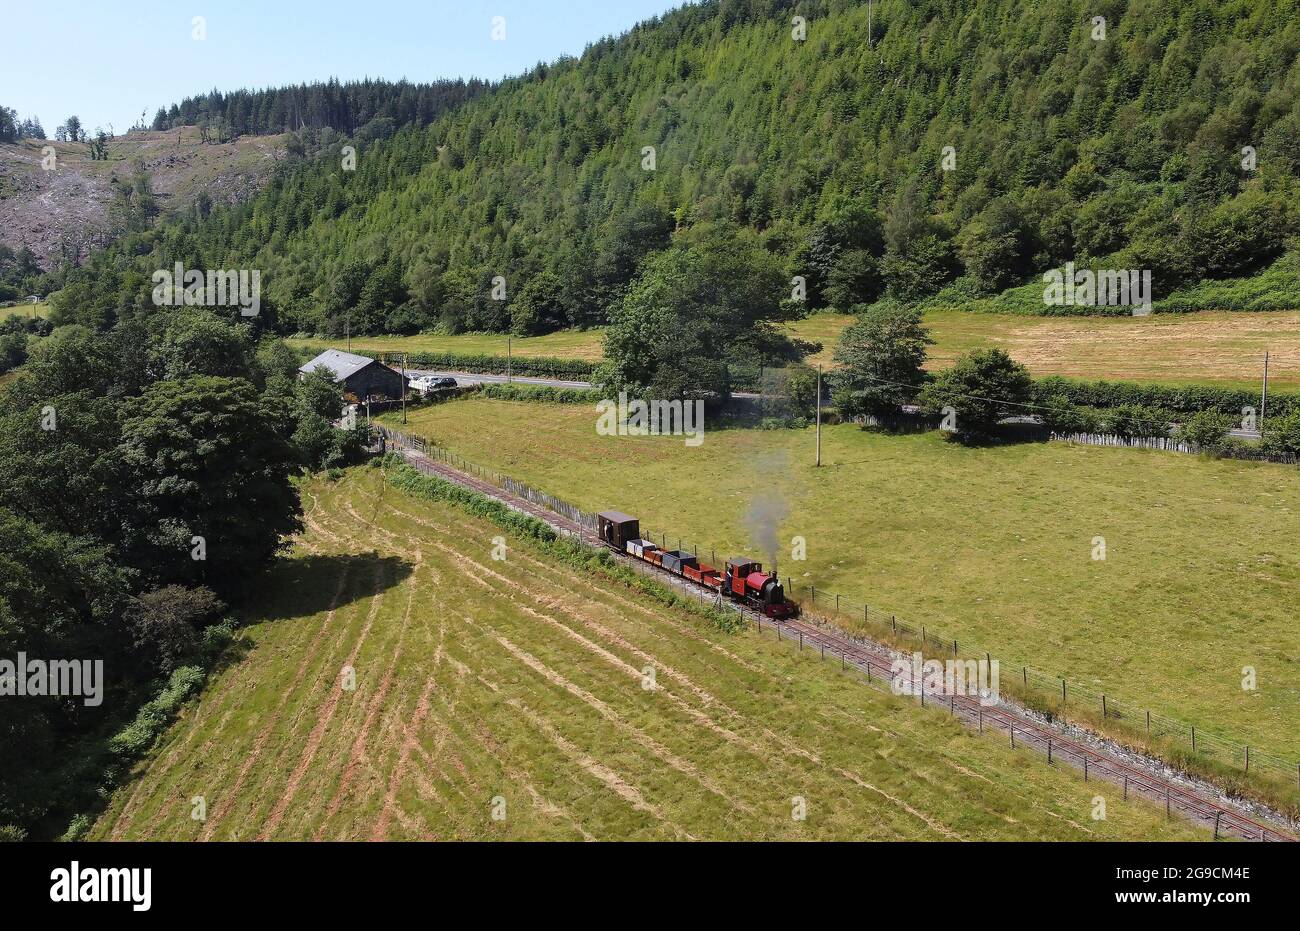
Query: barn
point(359, 376)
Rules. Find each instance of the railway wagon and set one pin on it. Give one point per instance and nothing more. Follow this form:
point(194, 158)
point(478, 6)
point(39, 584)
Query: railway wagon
point(744, 579)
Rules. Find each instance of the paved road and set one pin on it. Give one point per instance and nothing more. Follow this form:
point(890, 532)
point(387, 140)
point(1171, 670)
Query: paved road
point(475, 378)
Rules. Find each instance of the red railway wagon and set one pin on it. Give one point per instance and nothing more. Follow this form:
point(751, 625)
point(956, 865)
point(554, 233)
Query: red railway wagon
point(744, 579)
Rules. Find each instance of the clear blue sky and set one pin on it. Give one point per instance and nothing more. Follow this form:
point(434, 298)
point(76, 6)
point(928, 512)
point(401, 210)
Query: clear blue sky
point(106, 60)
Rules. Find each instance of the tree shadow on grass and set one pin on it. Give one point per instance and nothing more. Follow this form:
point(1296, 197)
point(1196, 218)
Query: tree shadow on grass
point(308, 585)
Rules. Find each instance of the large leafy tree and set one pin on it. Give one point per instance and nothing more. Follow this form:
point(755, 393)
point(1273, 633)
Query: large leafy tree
point(696, 307)
point(207, 474)
point(881, 357)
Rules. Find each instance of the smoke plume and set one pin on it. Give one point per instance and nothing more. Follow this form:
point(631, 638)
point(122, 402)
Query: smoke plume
point(768, 507)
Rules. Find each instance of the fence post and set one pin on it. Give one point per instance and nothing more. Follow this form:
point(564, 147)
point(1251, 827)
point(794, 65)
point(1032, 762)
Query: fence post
point(1063, 699)
point(1126, 787)
point(1193, 738)
point(1013, 736)
point(1148, 724)
point(837, 604)
point(1103, 706)
point(1085, 767)
point(1024, 670)
point(1217, 816)
point(1167, 813)
point(1248, 758)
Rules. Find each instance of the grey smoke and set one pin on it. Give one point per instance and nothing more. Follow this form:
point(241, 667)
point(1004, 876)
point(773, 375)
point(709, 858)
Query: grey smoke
point(768, 507)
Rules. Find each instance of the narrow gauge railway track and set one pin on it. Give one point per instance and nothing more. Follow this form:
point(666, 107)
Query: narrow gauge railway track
point(876, 662)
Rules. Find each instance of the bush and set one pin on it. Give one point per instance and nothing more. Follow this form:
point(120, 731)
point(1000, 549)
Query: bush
point(982, 388)
point(1060, 415)
point(1205, 429)
point(1130, 420)
point(546, 393)
point(1282, 434)
point(165, 623)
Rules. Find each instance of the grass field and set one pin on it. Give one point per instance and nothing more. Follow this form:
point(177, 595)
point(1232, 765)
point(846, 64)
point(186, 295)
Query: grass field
point(39, 309)
point(566, 344)
point(990, 546)
point(517, 683)
point(1211, 347)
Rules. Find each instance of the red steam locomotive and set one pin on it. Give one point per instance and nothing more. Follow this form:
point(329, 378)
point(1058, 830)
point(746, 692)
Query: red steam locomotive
point(744, 579)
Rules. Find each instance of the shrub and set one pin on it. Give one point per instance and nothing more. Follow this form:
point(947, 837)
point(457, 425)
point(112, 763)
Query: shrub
point(1130, 420)
point(1282, 434)
point(982, 387)
point(1060, 415)
point(1205, 429)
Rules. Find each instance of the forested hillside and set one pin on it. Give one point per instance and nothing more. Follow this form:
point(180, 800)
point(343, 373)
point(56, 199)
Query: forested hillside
point(377, 107)
point(1119, 144)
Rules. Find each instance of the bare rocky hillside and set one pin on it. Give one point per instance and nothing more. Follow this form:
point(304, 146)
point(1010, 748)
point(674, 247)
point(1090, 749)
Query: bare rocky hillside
point(67, 208)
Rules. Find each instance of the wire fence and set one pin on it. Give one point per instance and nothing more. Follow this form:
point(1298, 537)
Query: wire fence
point(1060, 693)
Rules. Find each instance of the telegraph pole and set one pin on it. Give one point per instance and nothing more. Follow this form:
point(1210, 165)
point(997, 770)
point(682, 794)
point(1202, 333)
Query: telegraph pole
point(1263, 398)
point(509, 360)
point(403, 387)
point(819, 416)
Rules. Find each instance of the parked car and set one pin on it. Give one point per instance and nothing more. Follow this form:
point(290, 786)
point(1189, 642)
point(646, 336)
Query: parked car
point(426, 383)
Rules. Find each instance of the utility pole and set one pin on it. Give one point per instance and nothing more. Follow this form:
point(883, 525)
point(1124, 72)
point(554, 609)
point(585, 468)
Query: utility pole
point(347, 329)
point(819, 416)
point(509, 360)
point(1263, 398)
point(868, 23)
point(403, 387)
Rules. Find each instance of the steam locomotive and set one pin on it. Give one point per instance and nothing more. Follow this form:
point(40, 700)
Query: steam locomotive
point(744, 579)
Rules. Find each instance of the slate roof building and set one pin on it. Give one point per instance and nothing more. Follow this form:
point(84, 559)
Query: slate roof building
point(361, 377)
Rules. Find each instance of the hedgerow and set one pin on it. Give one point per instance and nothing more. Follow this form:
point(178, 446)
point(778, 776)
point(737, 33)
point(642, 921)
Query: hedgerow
point(1182, 400)
point(572, 552)
point(547, 393)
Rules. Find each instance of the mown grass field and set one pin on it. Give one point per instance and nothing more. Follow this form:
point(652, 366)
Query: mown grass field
point(1210, 347)
point(483, 683)
point(566, 344)
point(990, 546)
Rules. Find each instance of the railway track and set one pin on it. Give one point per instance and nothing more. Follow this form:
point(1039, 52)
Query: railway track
point(1137, 775)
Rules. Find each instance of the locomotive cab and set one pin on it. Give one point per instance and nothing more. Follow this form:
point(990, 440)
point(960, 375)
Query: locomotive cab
point(746, 581)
